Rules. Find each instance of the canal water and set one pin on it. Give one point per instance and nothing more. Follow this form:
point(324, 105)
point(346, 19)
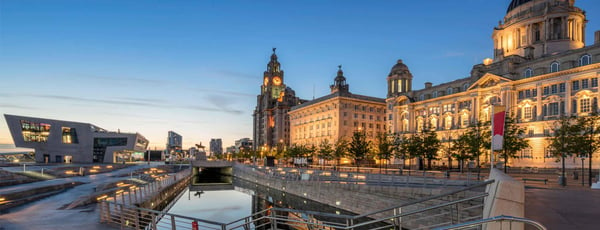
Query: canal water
point(226, 202)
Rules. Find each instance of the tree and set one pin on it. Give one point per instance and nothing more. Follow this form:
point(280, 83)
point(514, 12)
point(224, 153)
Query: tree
point(430, 145)
point(325, 150)
point(359, 147)
point(339, 150)
point(385, 147)
point(564, 141)
point(477, 139)
point(408, 148)
point(460, 150)
point(591, 139)
point(514, 140)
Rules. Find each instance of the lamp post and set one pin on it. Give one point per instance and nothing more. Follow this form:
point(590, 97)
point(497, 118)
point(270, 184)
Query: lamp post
point(582, 171)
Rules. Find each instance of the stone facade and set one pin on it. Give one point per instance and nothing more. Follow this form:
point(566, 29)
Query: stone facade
point(271, 121)
point(540, 71)
point(336, 116)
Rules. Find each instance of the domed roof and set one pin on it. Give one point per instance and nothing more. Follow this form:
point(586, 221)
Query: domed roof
point(516, 3)
point(399, 69)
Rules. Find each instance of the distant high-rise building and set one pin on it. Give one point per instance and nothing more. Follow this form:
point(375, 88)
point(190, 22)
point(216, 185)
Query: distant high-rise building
point(271, 121)
point(244, 143)
point(174, 144)
point(216, 146)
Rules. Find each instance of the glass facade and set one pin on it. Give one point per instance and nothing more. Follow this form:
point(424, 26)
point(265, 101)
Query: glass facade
point(101, 143)
point(35, 132)
point(69, 136)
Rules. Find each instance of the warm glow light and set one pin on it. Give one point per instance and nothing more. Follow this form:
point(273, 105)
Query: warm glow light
point(487, 61)
point(109, 167)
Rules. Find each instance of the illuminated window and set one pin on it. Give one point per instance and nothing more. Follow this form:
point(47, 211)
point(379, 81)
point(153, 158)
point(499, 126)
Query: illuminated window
point(526, 153)
point(35, 132)
point(585, 105)
point(420, 125)
point(527, 114)
point(405, 125)
point(448, 122)
point(433, 123)
point(554, 67)
point(69, 136)
point(464, 120)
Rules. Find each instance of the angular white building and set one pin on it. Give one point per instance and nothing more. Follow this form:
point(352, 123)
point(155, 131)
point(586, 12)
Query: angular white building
point(57, 141)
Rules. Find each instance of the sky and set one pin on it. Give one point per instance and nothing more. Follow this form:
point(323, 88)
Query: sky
point(195, 67)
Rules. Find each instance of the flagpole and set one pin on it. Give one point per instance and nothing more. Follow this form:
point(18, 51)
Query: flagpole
point(492, 139)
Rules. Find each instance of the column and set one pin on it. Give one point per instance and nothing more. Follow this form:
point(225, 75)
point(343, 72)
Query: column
point(567, 98)
point(538, 99)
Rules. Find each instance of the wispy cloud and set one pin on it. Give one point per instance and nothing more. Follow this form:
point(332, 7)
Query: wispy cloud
point(15, 106)
point(123, 78)
point(127, 102)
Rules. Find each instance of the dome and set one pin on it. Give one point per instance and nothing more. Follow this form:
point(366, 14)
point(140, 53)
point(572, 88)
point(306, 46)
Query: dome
point(399, 69)
point(516, 3)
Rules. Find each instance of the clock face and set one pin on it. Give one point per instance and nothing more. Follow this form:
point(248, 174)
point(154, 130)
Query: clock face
point(266, 80)
point(276, 80)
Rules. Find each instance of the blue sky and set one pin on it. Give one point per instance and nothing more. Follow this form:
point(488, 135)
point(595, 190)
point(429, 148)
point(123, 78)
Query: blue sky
point(195, 67)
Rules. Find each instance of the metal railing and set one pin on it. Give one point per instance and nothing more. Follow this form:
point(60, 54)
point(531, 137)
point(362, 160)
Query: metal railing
point(132, 217)
point(441, 210)
point(476, 224)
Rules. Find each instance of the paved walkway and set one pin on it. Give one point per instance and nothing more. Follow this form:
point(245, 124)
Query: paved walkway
point(564, 208)
point(47, 213)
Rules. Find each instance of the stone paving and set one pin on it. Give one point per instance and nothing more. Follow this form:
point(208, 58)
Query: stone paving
point(48, 213)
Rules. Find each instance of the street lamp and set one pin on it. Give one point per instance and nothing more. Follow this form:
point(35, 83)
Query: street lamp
point(582, 175)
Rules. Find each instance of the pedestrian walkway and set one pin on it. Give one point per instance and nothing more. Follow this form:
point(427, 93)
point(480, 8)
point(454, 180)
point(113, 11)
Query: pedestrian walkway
point(48, 212)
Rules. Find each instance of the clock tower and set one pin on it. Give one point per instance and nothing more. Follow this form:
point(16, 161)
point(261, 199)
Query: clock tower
point(271, 122)
point(273, 79)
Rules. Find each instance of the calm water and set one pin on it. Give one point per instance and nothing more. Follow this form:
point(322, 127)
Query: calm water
point(243, 199)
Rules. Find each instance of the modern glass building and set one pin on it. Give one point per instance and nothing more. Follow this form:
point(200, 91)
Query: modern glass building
point(57, 141)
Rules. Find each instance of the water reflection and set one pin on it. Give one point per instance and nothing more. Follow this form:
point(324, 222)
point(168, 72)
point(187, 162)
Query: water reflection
point(225, 202)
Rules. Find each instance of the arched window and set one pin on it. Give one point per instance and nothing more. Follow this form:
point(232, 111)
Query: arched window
point(449, 91)
point(405, 125)
point(528, 73)
point(464, 120)
point(448, 122)
point(465, 86)
point(554, 67)
point(435, 94)
point(422, 97)
point(585, 60)
point(433, 123)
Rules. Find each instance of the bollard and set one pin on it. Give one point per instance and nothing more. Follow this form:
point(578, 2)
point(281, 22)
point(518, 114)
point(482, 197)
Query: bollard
point(194, 225)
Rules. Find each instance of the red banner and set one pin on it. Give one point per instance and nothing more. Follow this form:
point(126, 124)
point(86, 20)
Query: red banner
point(499, 115)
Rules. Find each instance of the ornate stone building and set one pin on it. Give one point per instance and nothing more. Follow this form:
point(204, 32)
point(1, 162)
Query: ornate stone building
point(541, 70)
point(271, 121)
point(336, 116)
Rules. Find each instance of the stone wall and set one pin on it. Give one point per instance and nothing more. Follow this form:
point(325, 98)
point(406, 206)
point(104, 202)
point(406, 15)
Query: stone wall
point(506, 197)
point(355, 197)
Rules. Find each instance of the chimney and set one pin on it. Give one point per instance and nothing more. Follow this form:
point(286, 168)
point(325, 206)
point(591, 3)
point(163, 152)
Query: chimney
point(597, 37)
point(428, 85)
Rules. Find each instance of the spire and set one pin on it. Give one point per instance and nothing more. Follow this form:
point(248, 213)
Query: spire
point(273, 66)
point(339, 83)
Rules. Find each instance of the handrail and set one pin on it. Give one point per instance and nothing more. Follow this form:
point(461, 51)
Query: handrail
point(420, 210)
point(493, 219)
point(427, 198)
